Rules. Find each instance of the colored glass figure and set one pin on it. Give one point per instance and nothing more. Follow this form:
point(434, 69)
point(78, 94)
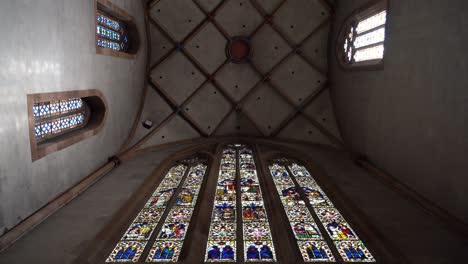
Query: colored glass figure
point(257, 231)
point(180, 214)
point(315, 196)
point(224, 212)
point(225, 193)
point(305, 231)
point(316, 251)
point(299, 213)
point(340, 231)
point(186, 197)
point(256, 228)
point(222, 234)
point(223, 231)
point(164, 250)
point(127, 251)
point(173, 231)
point(334, 223)
point(354, 251)
point(258, 251)
point(134, 240)
point(177, 222)
point(253, 212)
point(160, 198)
point(149, 215)
point(302, 223)
point(139, 231)
point(290, 196)
point(221, 251)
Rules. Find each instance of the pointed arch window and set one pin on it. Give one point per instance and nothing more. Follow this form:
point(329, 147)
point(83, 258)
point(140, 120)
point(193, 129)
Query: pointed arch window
point(240, 216)
point(173, 200)
point(302, 197)
point(362, 39)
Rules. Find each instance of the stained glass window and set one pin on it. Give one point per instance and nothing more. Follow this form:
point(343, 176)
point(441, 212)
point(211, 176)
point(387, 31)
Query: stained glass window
point(177, 194)
point(57, 117)
point(258, 242)
point(134, 240)
point(257, 239)
point(350, 247)
point(310, 241)
point(111, 33)
point(222, 236)
point(364, 41)
point(171, 238)
point(302, 198)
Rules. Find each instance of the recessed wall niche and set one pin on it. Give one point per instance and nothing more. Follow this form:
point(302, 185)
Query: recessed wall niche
point(59, 120)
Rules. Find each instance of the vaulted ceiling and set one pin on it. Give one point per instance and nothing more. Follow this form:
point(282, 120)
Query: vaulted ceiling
point(194, 90)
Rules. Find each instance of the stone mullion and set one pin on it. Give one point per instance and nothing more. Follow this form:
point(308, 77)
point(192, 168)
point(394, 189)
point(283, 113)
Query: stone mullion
point(325, 235)
point(163, 218)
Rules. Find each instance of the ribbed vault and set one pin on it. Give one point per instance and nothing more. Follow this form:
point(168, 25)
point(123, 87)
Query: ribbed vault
point(194, 90)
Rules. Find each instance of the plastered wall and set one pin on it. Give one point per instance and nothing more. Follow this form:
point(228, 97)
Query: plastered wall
point(410, 119)
point(49, 46)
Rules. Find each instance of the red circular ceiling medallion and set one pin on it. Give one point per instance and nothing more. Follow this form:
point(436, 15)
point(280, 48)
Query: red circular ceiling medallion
point(239, 50)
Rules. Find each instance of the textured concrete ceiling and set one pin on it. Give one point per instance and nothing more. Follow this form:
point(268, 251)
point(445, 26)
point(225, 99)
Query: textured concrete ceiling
point(194, 90)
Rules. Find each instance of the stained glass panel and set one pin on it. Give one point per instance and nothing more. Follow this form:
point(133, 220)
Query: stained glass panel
point(58, 116)
point(223, 250)
point(309, 239)
point(136, 237)
point(178, 220)
point(222, 235)
point(346, 241)
point(111, 33)
point(127, 251)
point(372, 22)
point(373, 53)
point(165, 251)
point(258, 242)
point(111, 23)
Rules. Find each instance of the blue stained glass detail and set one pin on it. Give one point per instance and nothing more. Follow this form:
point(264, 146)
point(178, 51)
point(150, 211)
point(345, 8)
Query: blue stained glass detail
point(108, 44)
point(110, 34)
point(108, 22)
point(57, 125)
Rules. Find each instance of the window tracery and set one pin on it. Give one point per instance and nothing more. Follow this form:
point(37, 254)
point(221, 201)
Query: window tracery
point(239, 229)
point(57, 117)
point(112, 34)
point(364, 37)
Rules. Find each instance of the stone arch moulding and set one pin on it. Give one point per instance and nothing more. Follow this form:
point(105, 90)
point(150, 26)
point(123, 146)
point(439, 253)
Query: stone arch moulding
point(96, 117)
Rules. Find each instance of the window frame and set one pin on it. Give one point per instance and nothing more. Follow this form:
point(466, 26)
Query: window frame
point(371, 8)
point(107, 8)
point(194, 248)
point(94, 121)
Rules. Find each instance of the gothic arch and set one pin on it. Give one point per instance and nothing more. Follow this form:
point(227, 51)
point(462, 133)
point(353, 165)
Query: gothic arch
point(194, 249)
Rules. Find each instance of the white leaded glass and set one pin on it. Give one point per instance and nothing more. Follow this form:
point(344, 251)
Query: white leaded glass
point(370, 38)
point(372, 22)
point(372, 53)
